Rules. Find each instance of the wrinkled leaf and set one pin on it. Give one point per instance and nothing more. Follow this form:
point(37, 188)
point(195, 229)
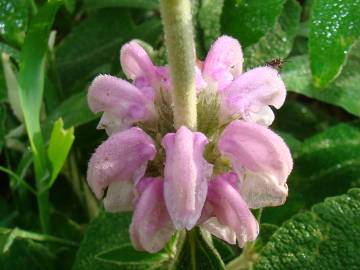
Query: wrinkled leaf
point(327, 237)
point(59, 147)
point(326, 164)
point(249, 20)
point(335, 26)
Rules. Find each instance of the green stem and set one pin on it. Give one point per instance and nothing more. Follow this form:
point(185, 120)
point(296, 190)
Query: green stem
point(81, 188)
point(18, 179)
point(179, 41)
point(18, 233)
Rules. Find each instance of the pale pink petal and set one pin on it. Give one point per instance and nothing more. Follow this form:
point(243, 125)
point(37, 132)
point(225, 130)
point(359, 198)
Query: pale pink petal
point(119, 196)
point(250, 92)
point(123, 103)
point(121, 157)
point(262, 190)
point(261, 159)
point(137, 64)
point(231, 210)
point(219, 230)
point(151, 226)
point(186, 176)
point(223, 62)
point(264, 116)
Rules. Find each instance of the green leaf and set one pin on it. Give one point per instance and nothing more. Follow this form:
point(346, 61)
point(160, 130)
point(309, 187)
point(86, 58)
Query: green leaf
point(226, 251)
point(89, 46)
point(196, 253)
point(126, 255)
point(70, 5)
point(334, 27)
point(60, 144)
point(31, 81)
point(328, 237)
point(27, 254)
point(209, 20)
point(326, 164)
point(21, 249)
point(106, 245)
point(249, 20)
point(146, 4)
point(13, 20)
point(278, 42)
point(32, 69)
point(343, 92)
point(74, 112)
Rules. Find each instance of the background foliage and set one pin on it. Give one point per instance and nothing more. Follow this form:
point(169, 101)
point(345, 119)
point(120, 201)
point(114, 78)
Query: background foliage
point(50, 51)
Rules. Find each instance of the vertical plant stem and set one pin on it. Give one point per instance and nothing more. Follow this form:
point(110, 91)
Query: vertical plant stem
point(81, 189)
point(179, 41)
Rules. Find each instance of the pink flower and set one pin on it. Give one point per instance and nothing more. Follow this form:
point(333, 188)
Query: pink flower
point(187, 194)
point(186, 176)
point(223, 63)
point(151, 226)
point(248, 95)
point(122, 103)
point(125, 104)
point(261, 159)
point(232, 218)
point(117, 164)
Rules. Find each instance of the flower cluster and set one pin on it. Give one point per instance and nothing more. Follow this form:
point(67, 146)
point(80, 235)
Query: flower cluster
point(178, 179)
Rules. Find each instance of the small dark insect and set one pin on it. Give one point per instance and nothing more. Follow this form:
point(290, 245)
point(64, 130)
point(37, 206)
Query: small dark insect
point(276, 63)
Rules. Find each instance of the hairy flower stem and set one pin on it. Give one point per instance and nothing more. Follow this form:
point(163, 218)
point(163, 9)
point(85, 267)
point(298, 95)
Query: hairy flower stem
point(179, 41)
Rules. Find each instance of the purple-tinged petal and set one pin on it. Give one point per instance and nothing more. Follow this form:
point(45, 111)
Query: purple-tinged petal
point(231, 210)
point(261, 159)
point(123, 103)
point(122, 157)
point(119, 196)
point(186, 176)
point(136, 63)
point(250, 92)
point(151, 226)
point(223, 62)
